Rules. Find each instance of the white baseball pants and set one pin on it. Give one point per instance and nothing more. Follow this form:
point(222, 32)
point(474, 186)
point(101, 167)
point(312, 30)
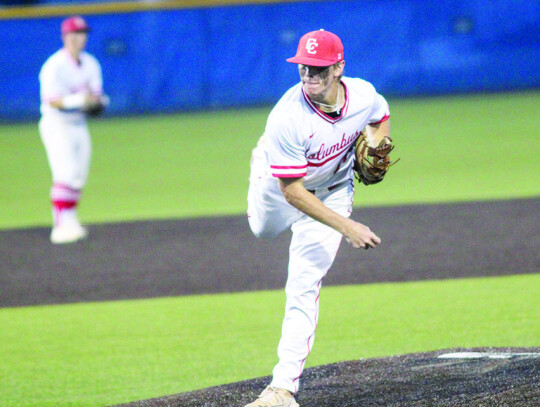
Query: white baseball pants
point(68, 148)
point(311, 253)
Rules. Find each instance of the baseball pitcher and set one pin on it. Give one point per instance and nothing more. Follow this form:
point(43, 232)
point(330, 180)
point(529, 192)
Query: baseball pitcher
point(301, 178)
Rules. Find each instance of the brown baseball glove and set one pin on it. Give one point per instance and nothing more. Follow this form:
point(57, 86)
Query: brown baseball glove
point(98, 107)
point(372, 163)
point(95, 110)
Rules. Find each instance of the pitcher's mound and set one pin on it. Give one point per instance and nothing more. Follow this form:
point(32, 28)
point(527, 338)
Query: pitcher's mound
point(454, 377)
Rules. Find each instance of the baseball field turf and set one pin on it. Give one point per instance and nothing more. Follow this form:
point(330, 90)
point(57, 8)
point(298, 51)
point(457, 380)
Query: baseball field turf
point(159, 167)
point(453, 150)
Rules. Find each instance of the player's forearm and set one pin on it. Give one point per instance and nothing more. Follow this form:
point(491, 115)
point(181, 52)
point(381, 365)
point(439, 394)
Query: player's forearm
point(376, 133)
point(70, 102)
point(303, 200)
point(79, 101)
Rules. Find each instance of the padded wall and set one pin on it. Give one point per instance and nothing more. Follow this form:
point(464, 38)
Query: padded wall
point(231, 56)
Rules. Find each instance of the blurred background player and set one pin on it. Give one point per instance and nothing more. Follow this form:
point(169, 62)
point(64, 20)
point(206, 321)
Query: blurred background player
point(302, 178)
point(71, 88)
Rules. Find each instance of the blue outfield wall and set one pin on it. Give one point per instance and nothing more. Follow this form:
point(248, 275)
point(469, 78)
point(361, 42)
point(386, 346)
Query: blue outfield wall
point(231, 56)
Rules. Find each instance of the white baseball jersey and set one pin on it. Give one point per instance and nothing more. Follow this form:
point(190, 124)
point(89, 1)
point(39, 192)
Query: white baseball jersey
point(65, 132)
point(305, 142)
point(62, 75)
point(301, 141)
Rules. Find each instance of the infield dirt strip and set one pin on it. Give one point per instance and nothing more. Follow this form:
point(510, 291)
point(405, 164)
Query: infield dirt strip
point(210, 255)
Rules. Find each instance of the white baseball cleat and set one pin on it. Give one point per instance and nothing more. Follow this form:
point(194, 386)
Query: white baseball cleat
point(68, 233)
point(274, 397)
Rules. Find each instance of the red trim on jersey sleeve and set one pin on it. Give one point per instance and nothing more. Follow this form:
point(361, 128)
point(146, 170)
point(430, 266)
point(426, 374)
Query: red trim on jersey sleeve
point(385, 118)
point(289, 171)
point(289, 175)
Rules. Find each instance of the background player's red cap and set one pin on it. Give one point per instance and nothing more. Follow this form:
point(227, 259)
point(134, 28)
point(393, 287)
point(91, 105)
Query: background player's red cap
point(318, 48)
point(74, 24)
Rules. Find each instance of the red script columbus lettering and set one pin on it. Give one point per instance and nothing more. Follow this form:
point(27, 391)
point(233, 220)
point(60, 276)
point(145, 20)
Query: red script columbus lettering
point(325, 152)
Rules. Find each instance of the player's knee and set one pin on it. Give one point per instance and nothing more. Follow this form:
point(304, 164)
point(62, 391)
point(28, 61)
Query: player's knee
point(260, 231)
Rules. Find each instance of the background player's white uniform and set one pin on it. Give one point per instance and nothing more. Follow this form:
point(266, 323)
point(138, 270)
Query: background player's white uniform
point(302, 141)
point(65, 132)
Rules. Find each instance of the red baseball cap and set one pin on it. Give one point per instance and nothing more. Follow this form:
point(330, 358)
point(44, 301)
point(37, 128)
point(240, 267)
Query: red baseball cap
point(318, 48)
point(74, 24)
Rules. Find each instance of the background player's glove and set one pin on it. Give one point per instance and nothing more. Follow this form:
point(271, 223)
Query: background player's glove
point(372, 163)
point(97, 107)
point(95, 110)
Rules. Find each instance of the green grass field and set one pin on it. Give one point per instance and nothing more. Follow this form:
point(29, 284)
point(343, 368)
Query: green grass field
point(171, 166)
point(459, 148)
point(104, 353)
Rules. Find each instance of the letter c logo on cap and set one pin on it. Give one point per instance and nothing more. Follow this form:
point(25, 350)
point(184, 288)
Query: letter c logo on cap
point(310, 46)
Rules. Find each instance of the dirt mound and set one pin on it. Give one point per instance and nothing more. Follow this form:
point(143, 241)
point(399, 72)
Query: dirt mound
point(454, 377)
